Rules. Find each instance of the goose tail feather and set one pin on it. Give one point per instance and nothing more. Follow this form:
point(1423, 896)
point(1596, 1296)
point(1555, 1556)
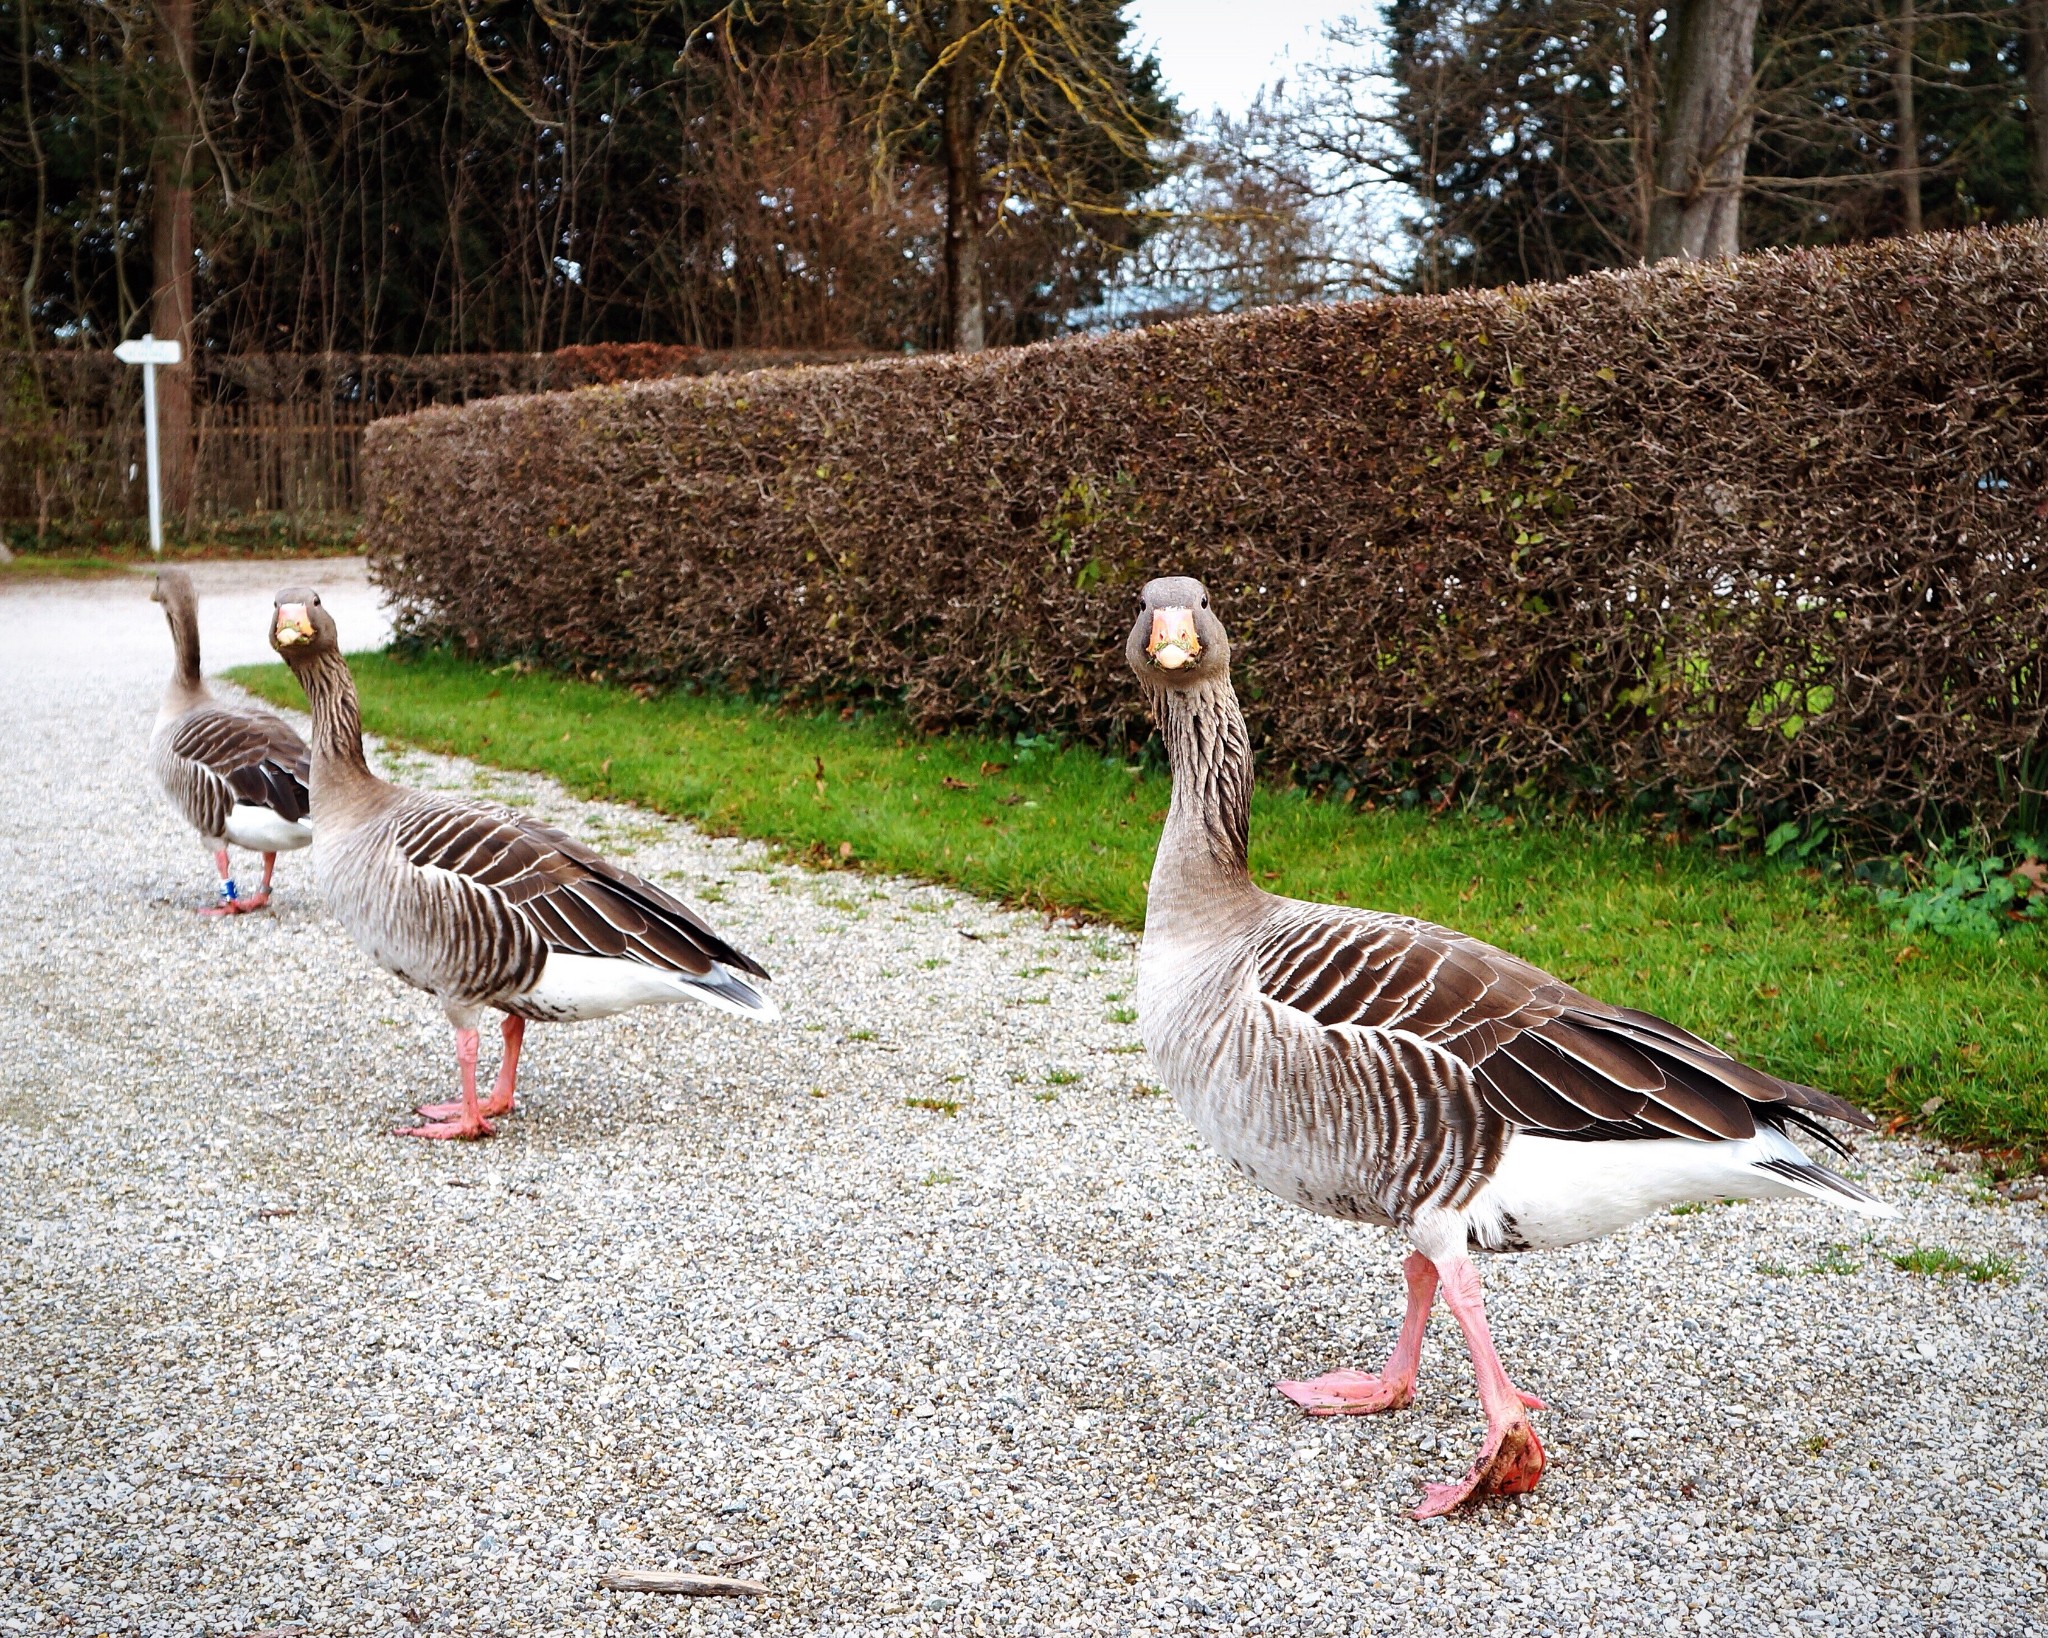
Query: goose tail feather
point(1784, 1162)
point(727, 991)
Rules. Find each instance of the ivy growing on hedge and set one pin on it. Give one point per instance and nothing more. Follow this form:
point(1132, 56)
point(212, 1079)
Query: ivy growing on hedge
point(1766, 536)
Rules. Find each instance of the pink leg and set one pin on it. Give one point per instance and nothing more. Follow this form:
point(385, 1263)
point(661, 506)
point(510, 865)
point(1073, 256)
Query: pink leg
point(500, 1100)
point(470, 1123)
point(1511, 1460)
point(228, 904)
point(258, 899)
point(1356, 1393)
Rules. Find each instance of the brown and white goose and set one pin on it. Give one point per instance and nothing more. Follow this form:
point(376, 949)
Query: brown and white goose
point(235, 774)
point(1381, 1069)
point(481, 906)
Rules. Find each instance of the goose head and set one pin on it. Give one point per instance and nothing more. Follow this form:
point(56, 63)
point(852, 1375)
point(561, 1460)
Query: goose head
point(173, 589)
point(300, 629)
point(1177, 642)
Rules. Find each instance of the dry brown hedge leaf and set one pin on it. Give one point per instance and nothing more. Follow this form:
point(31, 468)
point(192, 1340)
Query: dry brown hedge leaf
point(1775, 530)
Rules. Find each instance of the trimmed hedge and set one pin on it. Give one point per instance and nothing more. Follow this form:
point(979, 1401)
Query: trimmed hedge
point(1767, 535)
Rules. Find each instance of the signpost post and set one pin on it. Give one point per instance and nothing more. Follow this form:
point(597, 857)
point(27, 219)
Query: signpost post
point(149, 353)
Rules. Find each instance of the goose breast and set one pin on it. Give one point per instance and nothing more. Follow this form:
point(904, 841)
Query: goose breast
point(1362, 1122)
point(433, 927)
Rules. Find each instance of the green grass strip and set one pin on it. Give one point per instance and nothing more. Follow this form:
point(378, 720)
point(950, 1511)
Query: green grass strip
point(36, 566)
point(1797, 974)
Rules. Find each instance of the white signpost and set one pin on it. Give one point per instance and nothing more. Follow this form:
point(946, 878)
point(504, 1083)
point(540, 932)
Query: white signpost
point(149, 353)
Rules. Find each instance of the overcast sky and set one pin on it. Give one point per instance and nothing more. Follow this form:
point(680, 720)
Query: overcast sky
point(1217, 53)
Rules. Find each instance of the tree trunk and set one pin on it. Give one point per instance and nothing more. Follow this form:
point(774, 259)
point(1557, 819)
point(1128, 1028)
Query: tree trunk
point(171, 256)
point(1703, 141)
point(1906, 148)
point(965, 322)
point(2037, 101)
point(36, 234)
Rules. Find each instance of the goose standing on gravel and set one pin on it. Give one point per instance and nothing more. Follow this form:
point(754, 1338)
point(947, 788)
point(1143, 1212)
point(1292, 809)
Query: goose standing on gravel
point(1377, 1068)
point(235, 774)
point(482, 906)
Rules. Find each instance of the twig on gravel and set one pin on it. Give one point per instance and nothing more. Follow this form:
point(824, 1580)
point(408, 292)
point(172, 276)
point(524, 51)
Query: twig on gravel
point(680, 1582)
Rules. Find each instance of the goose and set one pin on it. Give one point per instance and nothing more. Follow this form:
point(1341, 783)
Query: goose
point(1381, 1069)
point(481, 906)
point(234, 774)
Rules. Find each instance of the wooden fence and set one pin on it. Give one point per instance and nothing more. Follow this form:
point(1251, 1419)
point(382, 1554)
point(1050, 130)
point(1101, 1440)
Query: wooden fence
point(277, 436)
point(294, 458)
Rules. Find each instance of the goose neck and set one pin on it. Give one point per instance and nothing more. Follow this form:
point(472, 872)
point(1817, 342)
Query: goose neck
point(187, 686)
point(337, 741)
point(1202, 851)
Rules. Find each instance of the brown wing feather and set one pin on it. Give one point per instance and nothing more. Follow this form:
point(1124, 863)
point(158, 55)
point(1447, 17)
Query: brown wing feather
point(1544, 1056)
point(1526, 1100)
point(263, 761)
point(577, 901)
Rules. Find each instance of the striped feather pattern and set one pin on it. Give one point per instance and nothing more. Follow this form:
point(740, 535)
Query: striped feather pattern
point(571, 898)
point(1545, 1056)
point(242, 756)
point(212, 758)
point(209, 757)
point(469, 900)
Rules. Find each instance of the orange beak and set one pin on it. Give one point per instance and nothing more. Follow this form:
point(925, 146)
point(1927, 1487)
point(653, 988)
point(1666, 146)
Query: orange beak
point(1174, 643)
point(293, 623)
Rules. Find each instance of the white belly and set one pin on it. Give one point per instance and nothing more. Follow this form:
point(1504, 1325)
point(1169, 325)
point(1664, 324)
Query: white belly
point(574, 987)
point(262, 831)
point(1553, 1192)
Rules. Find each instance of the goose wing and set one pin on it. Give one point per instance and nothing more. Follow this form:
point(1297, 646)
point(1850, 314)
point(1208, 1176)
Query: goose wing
point(575, 900)
point(1544, 1056)
point(251, 756)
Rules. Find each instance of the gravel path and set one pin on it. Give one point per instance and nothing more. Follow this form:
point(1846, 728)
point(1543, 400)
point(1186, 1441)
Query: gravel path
point(728, 1297)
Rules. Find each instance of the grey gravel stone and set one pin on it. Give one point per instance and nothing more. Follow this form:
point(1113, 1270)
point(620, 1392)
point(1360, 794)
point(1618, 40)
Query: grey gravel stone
point(718, 1300)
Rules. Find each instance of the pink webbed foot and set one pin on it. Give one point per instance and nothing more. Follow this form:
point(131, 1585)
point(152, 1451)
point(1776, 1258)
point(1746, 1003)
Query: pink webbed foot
point(502, 1090)
point(1509, 1464)
point(1349, 1393)
point(1360, 1393)
point(498, 1103)
point(1511, 1460)
point(233, 907)
point(468, 1116)
point(457, 1130)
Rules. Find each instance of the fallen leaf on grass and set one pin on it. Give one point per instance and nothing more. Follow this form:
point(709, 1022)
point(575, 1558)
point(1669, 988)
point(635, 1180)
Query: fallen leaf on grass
point(953, 784)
